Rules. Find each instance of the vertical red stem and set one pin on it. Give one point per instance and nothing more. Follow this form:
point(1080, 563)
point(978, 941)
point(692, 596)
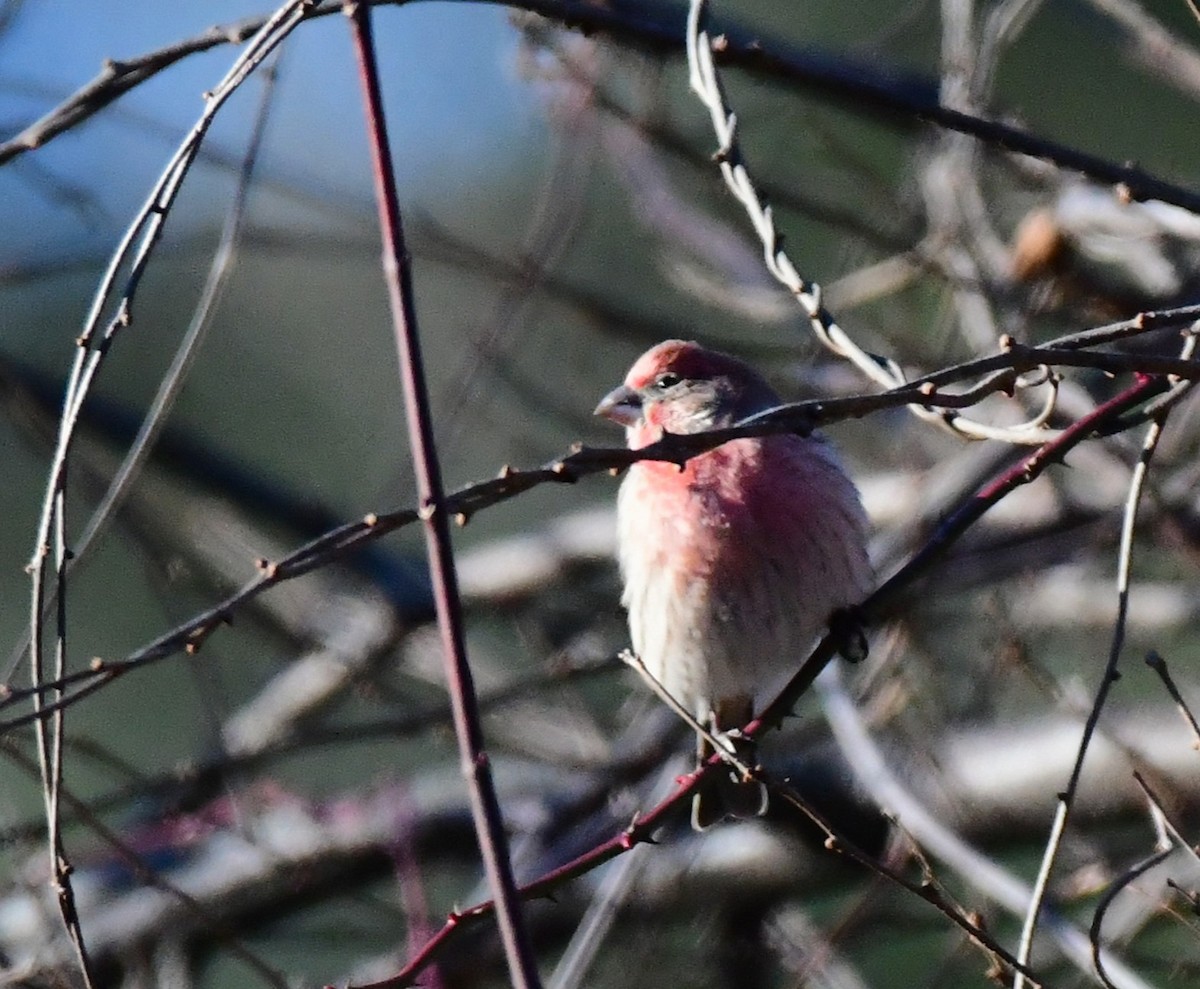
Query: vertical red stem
point(489, 824)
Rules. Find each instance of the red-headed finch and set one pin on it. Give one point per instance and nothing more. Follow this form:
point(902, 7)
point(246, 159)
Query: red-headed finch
point(734, 565)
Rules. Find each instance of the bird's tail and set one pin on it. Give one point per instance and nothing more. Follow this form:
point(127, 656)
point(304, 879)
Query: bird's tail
point(727, 794)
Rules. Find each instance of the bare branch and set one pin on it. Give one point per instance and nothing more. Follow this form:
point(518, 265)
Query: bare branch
point(397, 273)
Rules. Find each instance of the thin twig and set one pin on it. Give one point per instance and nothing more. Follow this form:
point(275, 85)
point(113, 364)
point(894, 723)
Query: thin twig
point(92, 346)
point(164, 399)
point(148, 875)
point(567, 469)
point(861, 87)
point(1168, 837)
point(221, 268)
point(1095, 932)
point(980, 872)
point(927, 891)
point(1109, 676)
point(643, 827)
point(397, 272)
point(1164, 819)
point(706, 83)
point(1159, 666)
point(719, 744)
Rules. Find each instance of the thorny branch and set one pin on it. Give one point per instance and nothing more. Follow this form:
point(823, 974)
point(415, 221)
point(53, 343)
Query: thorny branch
point(1108, 678)
point(1159, 666)
point(707, 85)
point(1159, 381)
point(92, 346)
point(659, 27)
point(873, 609)
point(465, 503)
point(468, 727)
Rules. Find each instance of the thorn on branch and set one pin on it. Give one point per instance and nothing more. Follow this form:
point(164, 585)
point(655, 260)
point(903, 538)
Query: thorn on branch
point(997, 973)
point(197, 636)
point(1189, 895)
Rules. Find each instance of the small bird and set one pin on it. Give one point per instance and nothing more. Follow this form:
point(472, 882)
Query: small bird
point(734, 564)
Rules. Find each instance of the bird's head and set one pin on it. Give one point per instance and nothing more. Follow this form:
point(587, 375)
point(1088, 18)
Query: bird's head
point(680, 387)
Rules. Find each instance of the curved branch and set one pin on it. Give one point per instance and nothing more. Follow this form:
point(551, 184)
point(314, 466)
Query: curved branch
point(858, 86)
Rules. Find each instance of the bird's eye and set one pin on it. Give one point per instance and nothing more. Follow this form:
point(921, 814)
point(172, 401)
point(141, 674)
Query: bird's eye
point(667, 380)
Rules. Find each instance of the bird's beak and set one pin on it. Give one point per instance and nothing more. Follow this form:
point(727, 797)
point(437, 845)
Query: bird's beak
point(622, 405)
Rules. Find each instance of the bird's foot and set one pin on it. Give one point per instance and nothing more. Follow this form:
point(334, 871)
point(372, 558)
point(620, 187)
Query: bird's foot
point(848, 627)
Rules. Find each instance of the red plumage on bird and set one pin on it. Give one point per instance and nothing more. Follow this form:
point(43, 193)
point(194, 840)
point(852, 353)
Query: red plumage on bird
point(734, 565)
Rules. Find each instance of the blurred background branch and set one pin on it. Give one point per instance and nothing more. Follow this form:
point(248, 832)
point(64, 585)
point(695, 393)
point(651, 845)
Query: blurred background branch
point(285, 803)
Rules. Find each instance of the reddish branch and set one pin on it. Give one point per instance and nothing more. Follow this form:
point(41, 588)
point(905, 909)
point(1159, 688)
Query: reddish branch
point(643, 826)
point(468, 725)
point(582, 461)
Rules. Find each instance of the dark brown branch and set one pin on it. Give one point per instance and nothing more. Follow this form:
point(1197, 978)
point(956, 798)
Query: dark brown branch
point(1159, 666)
point(583, 461)
point(1095, 932)
point(117, 78)
point(660, 27)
